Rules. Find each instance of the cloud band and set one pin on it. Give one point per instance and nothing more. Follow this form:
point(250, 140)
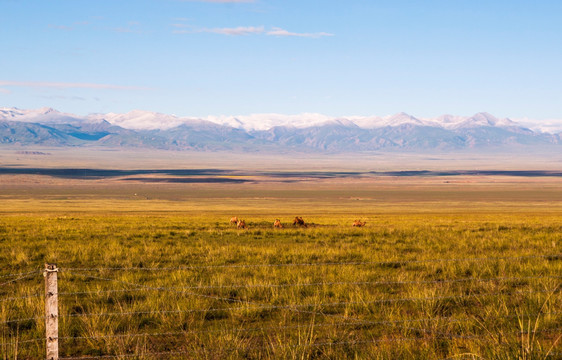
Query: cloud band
point(68, 85)
point(251, 30)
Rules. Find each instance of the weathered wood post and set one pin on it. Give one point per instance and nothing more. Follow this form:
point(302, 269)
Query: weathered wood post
point(51, 311)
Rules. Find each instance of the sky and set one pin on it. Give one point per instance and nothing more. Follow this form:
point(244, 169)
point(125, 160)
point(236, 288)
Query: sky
point(333, 57)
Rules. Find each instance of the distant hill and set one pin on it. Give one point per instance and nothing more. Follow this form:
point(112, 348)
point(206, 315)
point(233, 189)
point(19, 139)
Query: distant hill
point(271, 132)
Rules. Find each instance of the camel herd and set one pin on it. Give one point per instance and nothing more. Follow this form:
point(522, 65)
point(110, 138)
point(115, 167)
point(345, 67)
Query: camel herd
point(240, 224)
point(298, 221)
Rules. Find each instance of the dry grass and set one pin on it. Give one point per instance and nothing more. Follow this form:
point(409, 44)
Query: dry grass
point(385, 299)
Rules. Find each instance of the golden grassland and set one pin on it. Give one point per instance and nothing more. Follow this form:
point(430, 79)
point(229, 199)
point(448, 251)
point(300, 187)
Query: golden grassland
point(446, 267)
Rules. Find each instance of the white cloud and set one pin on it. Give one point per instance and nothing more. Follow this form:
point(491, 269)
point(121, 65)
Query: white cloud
point(181, 26)
point(237, 31)
point(68, 85)
point(247, 30)
point(5, 91)
point(222, 1)
point(282, 32)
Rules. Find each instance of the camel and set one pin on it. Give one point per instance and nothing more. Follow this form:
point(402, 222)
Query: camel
point(277, 224)
point(358, 223)
point(299, 221)
point(241, 224)
point(234, 220)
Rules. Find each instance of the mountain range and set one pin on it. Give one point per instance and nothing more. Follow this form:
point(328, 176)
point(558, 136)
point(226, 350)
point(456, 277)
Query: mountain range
point(272, 132)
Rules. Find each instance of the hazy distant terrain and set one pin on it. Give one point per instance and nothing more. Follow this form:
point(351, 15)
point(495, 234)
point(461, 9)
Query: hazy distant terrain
point(273, 132)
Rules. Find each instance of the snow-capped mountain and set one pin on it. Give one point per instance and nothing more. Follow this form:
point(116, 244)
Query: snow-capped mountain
point(43, 115)
point(141, 120)
point(482, 119)
point(267, 121)
point(551, 126)
point(307, 132)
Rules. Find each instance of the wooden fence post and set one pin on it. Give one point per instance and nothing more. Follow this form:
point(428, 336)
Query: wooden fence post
point(51, 311)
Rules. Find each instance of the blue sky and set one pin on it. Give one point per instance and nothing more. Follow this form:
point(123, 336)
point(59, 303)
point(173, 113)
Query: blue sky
point(353, 57)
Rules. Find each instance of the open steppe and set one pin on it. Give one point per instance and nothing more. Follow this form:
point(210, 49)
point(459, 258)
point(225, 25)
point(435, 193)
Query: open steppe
point(449, 265)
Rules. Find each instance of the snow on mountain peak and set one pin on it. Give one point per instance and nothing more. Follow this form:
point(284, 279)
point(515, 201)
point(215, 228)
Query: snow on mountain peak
point(449, 119)
point(550, 126)
point(267, 121)
point(401, 119)
point(478, 120)
point(44, 115)
point(148, 120)
point(344, 122)
point(485, 117)
point(144, 120)
point(48, 110)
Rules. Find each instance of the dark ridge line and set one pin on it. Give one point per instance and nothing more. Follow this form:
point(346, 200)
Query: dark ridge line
point(519, 173)
point(188, 180)
point(87, 173)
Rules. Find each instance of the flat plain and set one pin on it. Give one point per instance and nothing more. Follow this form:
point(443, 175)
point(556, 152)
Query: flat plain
point(448, 265)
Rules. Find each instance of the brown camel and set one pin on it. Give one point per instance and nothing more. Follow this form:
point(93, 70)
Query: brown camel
point(234, 220)
point(277, 224)
point(299, 221)
point(241, 224)
point(358, 223)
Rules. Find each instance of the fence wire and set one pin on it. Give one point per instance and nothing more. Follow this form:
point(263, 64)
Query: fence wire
point(335, 283)
point(307, 326)
point(20, 274)
point(181, 289)
point(247, 301)
point(448, 320)
point(295, 308)
point(140, 287)
point(20, 278)
point(14, 298)
point(353, 263)
point(299, 308)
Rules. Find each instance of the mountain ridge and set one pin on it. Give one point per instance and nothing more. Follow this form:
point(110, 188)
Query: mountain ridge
point(308, 132)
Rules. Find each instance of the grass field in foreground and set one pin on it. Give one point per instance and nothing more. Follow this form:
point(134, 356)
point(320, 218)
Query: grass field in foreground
point(470, 277)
